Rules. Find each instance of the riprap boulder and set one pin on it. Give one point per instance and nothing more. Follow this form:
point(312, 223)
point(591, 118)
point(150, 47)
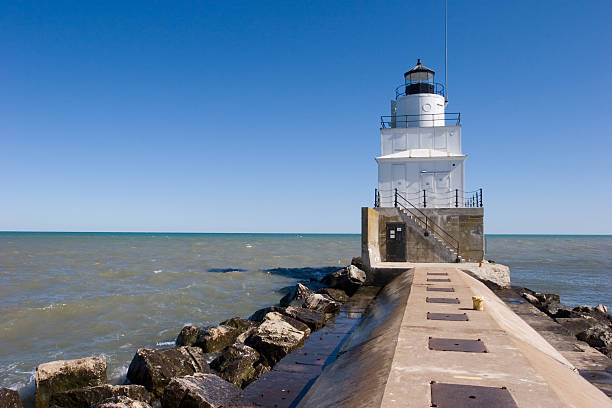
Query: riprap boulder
point(155, 368)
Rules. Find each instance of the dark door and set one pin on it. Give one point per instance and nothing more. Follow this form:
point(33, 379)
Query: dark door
point(396, 242)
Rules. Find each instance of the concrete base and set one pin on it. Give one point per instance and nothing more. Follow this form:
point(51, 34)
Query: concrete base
point(463, 224)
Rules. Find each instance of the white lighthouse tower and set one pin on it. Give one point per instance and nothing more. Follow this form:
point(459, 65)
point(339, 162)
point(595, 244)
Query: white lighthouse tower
point(421, 161)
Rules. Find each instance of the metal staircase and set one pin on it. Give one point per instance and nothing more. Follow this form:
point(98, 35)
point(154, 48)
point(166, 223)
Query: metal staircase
point(426, 226)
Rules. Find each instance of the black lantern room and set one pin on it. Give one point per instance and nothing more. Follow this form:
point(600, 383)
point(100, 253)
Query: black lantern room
point(419, 79)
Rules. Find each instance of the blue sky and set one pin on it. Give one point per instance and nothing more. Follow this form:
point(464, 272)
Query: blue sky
point(264, 116)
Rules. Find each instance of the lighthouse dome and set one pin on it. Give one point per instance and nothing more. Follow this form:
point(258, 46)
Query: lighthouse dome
point(419, 79)
point(419, 73)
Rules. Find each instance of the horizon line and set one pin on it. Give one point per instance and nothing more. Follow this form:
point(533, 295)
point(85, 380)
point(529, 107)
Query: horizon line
point(269, 233)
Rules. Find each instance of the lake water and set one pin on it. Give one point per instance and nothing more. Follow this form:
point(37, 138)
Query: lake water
point(71, 295)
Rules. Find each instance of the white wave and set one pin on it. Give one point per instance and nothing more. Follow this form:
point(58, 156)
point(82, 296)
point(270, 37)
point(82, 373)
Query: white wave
point(25, 388)
point(165, 343)
point(158, 271)
point(118, 375)
point(249, 246)
point(53, 306)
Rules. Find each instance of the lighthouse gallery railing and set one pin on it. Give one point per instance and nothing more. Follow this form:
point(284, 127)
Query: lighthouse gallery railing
point(424, 119)
point(452, 198)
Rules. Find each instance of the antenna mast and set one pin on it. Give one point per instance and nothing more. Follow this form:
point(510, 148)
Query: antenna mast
point(445, 51)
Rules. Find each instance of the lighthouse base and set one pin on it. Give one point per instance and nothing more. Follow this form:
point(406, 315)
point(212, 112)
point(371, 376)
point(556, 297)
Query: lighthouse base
point(452, 235)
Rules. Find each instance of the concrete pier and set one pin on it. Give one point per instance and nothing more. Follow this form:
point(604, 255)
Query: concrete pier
point(391, 358)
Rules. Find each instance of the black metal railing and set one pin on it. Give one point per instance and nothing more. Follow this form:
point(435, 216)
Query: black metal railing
point(473, 198)
point(426, 222)
point(452, 198)
point(425, 119)
point(410, 88)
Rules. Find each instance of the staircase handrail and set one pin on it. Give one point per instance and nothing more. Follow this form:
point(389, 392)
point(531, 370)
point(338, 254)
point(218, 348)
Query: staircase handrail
point(428, 223)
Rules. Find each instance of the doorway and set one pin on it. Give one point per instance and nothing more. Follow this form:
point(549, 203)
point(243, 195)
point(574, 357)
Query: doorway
point(396, 242)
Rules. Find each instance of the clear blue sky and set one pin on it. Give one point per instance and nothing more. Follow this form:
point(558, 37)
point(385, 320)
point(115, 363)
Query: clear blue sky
point(264, 116)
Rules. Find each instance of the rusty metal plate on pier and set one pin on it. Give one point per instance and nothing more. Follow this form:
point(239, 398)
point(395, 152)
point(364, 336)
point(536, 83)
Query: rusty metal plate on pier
point(447, 316)
point(596, 376)
point(438, 280)
point(472, 396)
point(442, 300)
point(437, 274)
point(430, 289)
point(467, 346)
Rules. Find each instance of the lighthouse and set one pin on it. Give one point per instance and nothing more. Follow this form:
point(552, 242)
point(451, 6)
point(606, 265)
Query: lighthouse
point(421, 212)
point(421, 161)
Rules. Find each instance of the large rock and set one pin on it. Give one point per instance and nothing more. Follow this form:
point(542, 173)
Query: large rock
point(296, 296)
point(336, 294)
point(216, 338)
point(599, 337)
point(64, 375)
point(576, 325)
point(490, 273)
point(301, 296)
point(200, 391)
point(260, 315)
point(155, 368)
point(530, 298)
point(121, 402)
point(549, 303)
point(603, 309)
point(358, 262)
point(348, 279)
point(9, 398)
point(246, 327)
point(209, 339)
point(245, 335)
point(599, 313)
point(277, 336)
point(313, 318)
point(239, 323)
point(236, 364)
point(278, 317)
point(86, 397)
point(188, 336)
point(322, 303)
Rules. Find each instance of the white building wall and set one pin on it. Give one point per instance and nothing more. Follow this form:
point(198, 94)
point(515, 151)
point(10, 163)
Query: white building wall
point(424, 110)
point(443, 138)
point(441, 179)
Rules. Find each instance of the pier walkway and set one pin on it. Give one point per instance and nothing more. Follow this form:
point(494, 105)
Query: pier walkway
point(432, 349)
point(519, 365)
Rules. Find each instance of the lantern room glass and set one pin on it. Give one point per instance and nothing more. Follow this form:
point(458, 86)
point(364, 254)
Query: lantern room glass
point(419, 76)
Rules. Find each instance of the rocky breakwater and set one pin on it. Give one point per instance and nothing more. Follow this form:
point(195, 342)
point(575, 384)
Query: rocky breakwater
point(591, 324)
point(239, 351)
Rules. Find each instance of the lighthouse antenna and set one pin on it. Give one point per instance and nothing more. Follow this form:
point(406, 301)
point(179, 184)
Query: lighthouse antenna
point(445, 52)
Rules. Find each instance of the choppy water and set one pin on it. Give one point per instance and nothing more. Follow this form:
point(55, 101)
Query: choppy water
point(578, 267)
point(71, 295)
